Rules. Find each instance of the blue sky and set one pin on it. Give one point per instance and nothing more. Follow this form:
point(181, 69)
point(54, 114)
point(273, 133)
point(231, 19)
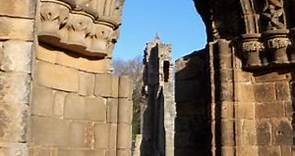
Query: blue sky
point(176, 21)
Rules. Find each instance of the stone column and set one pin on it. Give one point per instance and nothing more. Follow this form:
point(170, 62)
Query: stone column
point(124, 133)
point(16, 45)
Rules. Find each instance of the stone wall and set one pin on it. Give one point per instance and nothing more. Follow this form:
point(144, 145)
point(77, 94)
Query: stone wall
point(225, 110)
point(78, 110)
point(192, 124)
point(58, 96)
point(252, 112)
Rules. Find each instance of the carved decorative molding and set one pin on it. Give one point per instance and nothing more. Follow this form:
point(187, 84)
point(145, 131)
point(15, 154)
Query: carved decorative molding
point(89, 27)
point(265, 37)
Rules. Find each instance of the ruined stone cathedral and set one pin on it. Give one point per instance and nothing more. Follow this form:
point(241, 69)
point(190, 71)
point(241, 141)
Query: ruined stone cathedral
point(58, 96)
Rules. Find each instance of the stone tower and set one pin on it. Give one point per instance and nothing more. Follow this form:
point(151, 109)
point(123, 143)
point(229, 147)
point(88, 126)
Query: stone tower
point(58, 96)
point(159, 114)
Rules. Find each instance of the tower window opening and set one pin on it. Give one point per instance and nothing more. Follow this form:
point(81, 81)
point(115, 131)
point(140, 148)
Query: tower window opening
point(166, 70)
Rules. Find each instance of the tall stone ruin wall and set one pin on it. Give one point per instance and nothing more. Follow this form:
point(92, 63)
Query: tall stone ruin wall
point(57, 95)
point(250, 109)
point(192, 123)
point(159, 113)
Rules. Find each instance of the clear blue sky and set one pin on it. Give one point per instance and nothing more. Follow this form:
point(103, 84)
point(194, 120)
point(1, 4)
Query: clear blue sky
point(176, 21)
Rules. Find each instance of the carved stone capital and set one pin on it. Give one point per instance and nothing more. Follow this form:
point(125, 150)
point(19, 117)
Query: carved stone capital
point(276, 39)
point(252, 46)
point(88, 27)
point(52, 17)
point(277, 43)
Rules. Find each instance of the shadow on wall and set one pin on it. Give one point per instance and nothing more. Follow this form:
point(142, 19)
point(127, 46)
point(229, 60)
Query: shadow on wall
point(192, 93)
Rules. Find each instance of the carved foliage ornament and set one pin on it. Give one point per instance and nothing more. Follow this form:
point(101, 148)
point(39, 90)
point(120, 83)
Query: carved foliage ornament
point(252, 46)
point(63, 26)
point(277, 43)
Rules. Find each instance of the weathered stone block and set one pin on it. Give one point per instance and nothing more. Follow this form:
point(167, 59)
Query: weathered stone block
point(101, 135)
point(115, 86)
point(245, 110)
point(14, 149)
point(283, 92)
point(67, 59)
point(95, 66)
point(83, 64)
point(227, 110)
point(269, 110)
point(46, 54)
point(59, 103)
point(244, 76)
point(77, 107)
point(16, 56)
point(111, 152)
point(14, 98)
point(112, 136)
point(246, 132)
point(286, 151)
point(125, 111)
point(13, 8)
point(123, 152)
point(40, 152)
point(247, 150)
point(15, 28)
point(226, 76)
point(86, 83)
point(270, 77)
point(78, 133)
point(104, 85)
point(226, 93)
point(227, 150)
point(43, 100)
point(124, 136)
point(269, 150)
point(245, 92)
point(80, 152)
point(49, 131)
point(58, 77)
point(17, 85)
point(125, 87)
point(263, 132)
point(74, 107)
point(227, 135)
point(112, 110)
point(265, 92)
point(282, 132)
point(288, 109)
point(95, 109)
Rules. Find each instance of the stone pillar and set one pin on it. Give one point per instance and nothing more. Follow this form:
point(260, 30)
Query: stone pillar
point(125, 109)
point(17, 20)
point(233, 104)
